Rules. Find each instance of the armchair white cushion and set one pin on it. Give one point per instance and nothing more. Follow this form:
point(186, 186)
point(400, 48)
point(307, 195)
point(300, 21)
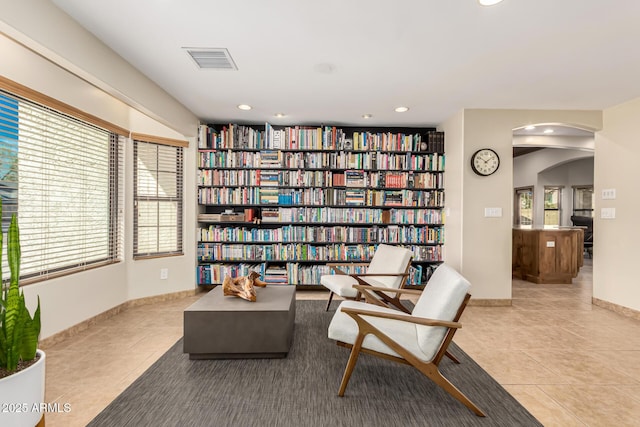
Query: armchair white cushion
point(393, 261)
point(344, 329)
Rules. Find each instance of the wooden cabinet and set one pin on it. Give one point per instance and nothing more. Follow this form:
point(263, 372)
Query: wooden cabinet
point(547, 255)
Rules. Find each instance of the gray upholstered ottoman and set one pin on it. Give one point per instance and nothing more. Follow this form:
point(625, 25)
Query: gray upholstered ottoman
point(223, 327)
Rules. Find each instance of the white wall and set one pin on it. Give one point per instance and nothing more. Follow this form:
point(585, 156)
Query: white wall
point(615, 274)
point(46, 30)
point(69, 300)
point(552, 166)
point(454, 134)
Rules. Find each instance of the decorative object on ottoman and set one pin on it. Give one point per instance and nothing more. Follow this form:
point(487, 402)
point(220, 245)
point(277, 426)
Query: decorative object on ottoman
point(243, 286)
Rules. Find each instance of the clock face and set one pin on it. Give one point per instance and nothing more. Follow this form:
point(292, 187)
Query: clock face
point(485, 161)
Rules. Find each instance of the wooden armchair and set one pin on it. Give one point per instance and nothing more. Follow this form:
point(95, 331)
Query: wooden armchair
point(419, 339)
point(388, 269)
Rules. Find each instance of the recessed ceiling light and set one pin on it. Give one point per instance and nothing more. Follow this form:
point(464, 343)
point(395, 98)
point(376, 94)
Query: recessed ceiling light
point(548, 131)
point(488, 2)
point(529, 128)
point(401, 109)
point(244, 107)
point(366, 116)
point(279, 114)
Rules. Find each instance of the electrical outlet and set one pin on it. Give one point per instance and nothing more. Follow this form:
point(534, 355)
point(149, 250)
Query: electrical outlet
point(164, 273)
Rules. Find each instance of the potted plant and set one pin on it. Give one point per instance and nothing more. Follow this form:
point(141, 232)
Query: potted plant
point(21, 362)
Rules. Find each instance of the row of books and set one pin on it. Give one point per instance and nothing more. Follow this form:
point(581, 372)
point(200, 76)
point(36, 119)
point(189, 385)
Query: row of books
point(354, 215)
point(216, 252)
point(214, 274)
point(386, 141)
point(315, 138)
point(230, 136)
point(294, 273)
point(343, 234)
point(321, 160)
point(319, 197)
point(318, 178)
point(333, 138)
point(435, 142)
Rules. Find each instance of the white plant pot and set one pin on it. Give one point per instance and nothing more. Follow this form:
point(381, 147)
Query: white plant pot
point(22, 396)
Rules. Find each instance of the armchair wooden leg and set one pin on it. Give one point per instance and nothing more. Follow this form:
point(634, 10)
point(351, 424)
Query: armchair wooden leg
point(353, 358)
point(329, 302)
point(434, 374)
point(452, 357)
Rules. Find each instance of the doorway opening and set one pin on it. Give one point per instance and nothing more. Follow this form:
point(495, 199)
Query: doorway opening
point(553, 178)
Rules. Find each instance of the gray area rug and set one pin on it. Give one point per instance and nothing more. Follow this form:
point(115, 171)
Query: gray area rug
point(301, 389)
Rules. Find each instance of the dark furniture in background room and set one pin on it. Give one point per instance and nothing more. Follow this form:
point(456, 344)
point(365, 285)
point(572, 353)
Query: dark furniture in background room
point(585, 222)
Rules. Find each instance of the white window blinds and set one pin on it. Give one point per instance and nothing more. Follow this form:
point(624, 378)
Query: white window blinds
point(158, 174)
point(63, 176)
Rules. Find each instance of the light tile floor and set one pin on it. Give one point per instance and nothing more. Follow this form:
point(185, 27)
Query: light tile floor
point(568, 362)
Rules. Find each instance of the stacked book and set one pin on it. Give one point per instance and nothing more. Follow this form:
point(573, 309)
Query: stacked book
point(269, 178)
point(270, 159)
point(275, 274)
point(355, 197)
point(355, 178)
point(269, 196)
point(270, 215)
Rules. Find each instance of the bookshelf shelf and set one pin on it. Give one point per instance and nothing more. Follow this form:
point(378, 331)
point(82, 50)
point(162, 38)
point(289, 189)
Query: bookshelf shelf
point(286, 202)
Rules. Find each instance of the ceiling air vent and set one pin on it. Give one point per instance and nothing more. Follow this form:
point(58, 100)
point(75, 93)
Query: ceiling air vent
point(216, 59)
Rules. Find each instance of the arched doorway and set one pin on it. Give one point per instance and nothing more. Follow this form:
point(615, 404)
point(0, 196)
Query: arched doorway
point(552, 177)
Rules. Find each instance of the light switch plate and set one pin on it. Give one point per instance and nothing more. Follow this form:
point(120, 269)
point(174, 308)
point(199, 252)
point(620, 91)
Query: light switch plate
point(608, 213)
point(492, 212)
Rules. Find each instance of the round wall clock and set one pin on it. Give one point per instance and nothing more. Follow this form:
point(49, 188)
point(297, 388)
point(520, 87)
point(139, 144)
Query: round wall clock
point(485, 161)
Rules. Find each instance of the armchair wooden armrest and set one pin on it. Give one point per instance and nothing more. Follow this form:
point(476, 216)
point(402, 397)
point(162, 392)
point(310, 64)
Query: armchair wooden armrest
point(362, 282)
point(383, 289)
point(404, 318)
point(379, 274)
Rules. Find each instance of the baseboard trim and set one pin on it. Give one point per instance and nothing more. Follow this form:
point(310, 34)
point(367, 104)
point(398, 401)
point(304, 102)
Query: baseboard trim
point(82, 326)
point(490, 302)
point(625, 311)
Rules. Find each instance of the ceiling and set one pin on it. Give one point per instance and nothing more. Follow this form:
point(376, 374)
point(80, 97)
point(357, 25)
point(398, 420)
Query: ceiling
point(332, 61)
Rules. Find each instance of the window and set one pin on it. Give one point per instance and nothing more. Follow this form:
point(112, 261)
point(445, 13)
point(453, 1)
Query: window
point(552, 206)
point(157, 199)
point(583, 200)
point(63, 177)
point(524, 207)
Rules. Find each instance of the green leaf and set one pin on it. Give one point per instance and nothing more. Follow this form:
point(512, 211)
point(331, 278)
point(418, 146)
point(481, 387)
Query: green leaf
point(19, 332)
point(29, 340)
point(13, 250)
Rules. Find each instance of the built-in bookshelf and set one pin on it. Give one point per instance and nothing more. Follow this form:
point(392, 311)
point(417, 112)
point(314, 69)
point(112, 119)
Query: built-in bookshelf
point(288, 201)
